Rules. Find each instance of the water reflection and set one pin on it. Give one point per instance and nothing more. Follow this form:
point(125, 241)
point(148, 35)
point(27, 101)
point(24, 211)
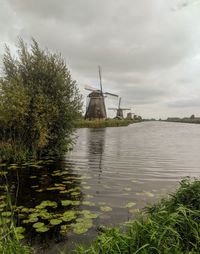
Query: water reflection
point(110, 173)
point(95, 149)
point(45, 199)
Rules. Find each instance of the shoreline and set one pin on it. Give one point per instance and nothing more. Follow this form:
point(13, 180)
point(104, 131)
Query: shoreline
point(98, 123)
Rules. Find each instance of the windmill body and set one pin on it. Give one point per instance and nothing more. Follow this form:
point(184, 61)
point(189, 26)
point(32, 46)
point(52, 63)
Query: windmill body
point(96, 108)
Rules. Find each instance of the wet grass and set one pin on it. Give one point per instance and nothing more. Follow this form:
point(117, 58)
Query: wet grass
point(99, 123)
point(171, 226)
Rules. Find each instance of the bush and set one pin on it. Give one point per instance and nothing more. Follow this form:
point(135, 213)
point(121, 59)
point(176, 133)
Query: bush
point(39, 101)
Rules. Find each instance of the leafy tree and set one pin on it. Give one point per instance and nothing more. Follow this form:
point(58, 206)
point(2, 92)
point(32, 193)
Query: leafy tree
point(39, 101)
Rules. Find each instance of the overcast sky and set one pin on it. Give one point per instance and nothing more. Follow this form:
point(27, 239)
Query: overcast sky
point(149, 50)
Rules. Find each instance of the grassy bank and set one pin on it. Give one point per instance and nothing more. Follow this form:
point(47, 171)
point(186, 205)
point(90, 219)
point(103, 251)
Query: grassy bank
point(184, 120)
point(99, 123)
point(171, 226)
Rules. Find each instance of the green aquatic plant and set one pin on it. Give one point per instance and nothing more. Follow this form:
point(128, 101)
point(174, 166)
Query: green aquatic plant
point(82, 225)
point(86, 187)
point(105, 208)
point(46, 203)
point(3, 173)
point(42, 229)
point(33, 177)
point(88, 214)
point(130, 205)
point(88, 203)
point(69, 216)
point(64, 229)
point(66, 202)
point(171, 226)
point(38, 224)
point(55, 222)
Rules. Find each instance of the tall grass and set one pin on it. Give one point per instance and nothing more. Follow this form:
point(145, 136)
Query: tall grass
point(13, 151)
point(9, 242)
point(171, 226)
point(10, 235)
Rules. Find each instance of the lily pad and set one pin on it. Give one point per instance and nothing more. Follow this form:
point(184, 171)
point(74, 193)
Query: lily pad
point(68, 216)
point(64, 229)
point(45, 215)
point(89, 215)
point(31, 220)
point(66, 202)
point(19, 230)
point(106, 208)
point(76, 202)
point(130, 205)
point(75, 193)
point(2, 164)
point(63, 191)
point(2, 205)
point(89, 196)
point(47, 203)
point(55, 221)
point(6, 214)
point(19, 236)
point(86, 187)
point(88, 203)
point(101, 203)
point(82, 226)
point(33, 177)
point(38, 225)
point(3, 173)
point(149, 194)
point(42, 229)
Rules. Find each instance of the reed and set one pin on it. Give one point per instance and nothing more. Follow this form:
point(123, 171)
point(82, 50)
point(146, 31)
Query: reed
point(10, 234)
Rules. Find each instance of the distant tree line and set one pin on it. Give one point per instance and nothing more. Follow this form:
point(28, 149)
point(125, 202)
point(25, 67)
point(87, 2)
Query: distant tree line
point(39, 104)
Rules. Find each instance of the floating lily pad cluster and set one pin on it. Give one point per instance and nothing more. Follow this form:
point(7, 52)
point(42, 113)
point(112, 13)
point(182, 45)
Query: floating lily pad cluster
point(69, 212)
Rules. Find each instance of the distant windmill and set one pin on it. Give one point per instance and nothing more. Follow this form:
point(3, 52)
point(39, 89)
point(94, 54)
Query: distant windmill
point(130, 115)
point(96, 108)
point(120, 110)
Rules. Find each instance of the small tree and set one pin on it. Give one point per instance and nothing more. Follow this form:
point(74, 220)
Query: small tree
point(39, 101)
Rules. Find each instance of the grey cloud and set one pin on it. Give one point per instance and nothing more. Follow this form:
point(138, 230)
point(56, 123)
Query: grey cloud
point(185, 103)
point(146, 50)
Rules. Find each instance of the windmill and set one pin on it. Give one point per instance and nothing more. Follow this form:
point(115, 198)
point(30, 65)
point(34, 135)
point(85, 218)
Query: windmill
point(96, 108)
point(130, 115)
point(120, 110)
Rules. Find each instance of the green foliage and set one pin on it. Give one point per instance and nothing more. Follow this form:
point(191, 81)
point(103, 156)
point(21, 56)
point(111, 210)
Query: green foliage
point(39, 103)
point(171, 226)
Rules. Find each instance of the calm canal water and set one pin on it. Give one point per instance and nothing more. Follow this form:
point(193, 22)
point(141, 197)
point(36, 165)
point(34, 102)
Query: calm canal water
point(110, 174)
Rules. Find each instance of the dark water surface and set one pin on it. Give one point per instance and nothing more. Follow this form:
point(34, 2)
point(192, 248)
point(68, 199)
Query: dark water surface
point(109, 175)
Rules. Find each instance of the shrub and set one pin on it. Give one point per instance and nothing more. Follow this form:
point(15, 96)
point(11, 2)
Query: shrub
point(39, 101)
